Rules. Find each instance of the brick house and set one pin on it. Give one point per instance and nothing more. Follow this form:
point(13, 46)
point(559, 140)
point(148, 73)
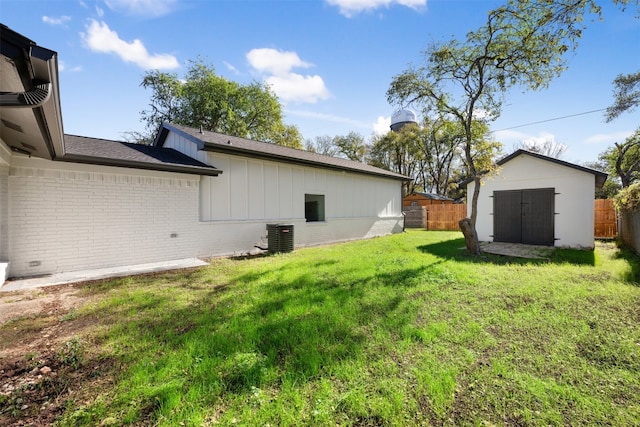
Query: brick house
point(71, 203)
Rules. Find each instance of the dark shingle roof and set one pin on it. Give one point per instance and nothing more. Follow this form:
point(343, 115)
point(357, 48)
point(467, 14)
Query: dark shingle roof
point(80, 149)
point(217, 142)
point(432, 196)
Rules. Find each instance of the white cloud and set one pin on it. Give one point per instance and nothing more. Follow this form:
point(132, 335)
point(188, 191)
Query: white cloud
point(382, 126)
point(62, 66)
point(276, 67)
point(230, 67)
point(274, 61)
point(511, 136)
point(327, 117)
point(100, 38)
point(56, 21)
point(608, 138)
point(99, 11)
point(298, 88)
point(145, 8)
point(350, 8)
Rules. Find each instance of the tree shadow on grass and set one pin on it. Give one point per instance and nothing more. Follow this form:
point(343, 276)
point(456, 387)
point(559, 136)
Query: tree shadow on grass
point(296, 324)
point(455, 249)
point(633, 273)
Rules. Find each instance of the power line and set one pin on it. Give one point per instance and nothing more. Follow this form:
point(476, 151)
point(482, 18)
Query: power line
point(550, 120)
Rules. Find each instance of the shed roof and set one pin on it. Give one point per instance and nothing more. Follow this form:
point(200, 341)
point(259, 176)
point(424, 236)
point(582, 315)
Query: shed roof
point(217, 142)
point(80, 149)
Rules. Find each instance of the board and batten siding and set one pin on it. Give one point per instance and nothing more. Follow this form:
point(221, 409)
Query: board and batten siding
point(262, 190)
point(573, 203)
point(252, 192)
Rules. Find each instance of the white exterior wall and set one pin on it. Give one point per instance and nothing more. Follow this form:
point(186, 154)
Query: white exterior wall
point(57, 217)
point(251, 193)
point(5, 160)
point(574, 201)
point(66, 217)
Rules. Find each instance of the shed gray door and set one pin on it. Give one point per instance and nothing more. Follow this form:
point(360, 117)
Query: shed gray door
point(524, 216)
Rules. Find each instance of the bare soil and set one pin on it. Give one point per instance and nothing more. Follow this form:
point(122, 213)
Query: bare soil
point(44, 365)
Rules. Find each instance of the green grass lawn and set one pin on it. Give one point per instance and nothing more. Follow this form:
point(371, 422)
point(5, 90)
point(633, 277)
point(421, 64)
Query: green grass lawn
point(401, 330)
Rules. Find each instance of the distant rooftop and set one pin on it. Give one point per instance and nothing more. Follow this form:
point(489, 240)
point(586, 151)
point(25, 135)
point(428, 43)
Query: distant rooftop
point(431, 196)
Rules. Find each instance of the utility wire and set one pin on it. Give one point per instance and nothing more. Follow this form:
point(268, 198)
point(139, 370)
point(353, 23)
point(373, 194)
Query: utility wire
point(550, 120)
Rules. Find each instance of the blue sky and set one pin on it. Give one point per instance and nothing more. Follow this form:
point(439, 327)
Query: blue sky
point(330, 62)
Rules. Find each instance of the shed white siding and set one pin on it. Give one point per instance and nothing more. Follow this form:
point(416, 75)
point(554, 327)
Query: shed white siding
point(574, 199)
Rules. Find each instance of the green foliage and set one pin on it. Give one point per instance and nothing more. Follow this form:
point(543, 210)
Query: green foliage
point(628, 199)
point(622, 161)
point(351, 146)
point(627, 95)
point(322, 144)
point(72, 353)
point(73, 314)
point(609, 190)
point(205, 99)
point(399, 152)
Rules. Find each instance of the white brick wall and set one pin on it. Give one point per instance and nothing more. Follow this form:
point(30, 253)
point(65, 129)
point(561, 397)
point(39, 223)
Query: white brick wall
point(66, 217)
point(4, 214)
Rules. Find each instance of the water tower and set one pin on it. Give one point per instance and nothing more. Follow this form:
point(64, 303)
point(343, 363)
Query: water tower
point(401, 118)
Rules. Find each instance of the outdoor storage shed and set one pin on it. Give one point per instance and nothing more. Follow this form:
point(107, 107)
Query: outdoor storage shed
point(539, 200)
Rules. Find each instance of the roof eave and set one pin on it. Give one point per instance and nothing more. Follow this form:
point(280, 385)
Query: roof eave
point(42, 66)
point(192, 170)
point(230, 149)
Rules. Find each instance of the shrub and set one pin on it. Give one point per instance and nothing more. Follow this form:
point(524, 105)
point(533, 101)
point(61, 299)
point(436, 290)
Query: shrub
point(628, 199)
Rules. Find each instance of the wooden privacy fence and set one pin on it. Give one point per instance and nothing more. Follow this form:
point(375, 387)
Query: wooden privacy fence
point(435, 217)
point(605, 220)
point(446, 217)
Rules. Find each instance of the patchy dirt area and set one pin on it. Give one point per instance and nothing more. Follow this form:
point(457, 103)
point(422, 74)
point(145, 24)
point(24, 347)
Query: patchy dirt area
point(44, 363)
point(30, 302)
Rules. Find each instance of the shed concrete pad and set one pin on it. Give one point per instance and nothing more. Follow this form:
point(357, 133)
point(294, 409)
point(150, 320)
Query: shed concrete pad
point(101, 273)
point(518, 250)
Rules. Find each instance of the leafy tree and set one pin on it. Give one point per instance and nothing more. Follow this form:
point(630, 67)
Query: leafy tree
point(399, 152)
point(522, 43)
point(321, 145)
point(208, 100)
point(351, 146)
point(623, 160)
point(627, 95)
point(440, 141)
point(611, 186)
point(287, 136)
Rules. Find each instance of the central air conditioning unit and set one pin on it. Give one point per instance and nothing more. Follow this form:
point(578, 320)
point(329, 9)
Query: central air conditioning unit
point(280, 237)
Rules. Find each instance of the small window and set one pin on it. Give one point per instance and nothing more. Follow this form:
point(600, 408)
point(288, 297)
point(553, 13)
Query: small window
point(314, 207)
point(414, 203)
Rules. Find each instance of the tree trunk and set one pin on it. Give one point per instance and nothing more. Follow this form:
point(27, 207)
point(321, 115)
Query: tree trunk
point(470, 236)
